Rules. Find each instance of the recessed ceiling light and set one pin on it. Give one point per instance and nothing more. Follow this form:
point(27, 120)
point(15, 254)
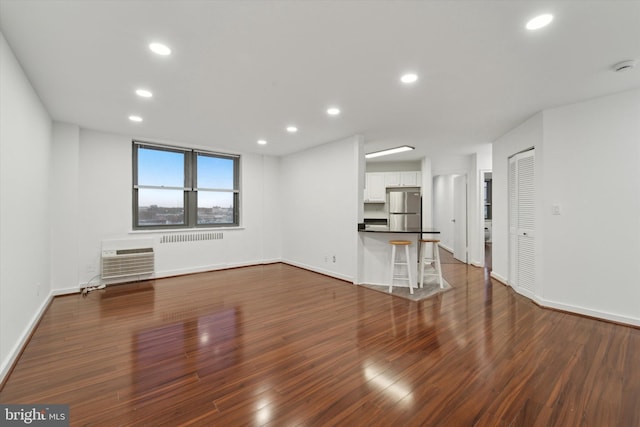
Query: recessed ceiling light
point(160, 49)
point(539, 22)
point(262, 142)
point(389, 151)
point(333, 111)
point(144, 93)
point(292, 129)
point(135, 118)
point(409, 78)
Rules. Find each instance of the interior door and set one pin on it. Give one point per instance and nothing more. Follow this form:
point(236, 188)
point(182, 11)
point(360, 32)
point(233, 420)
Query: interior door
point(460, 218)
point(522, 221)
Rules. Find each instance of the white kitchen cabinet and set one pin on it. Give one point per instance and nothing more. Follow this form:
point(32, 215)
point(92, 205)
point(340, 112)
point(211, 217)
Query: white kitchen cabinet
point(375, 190)
point(402, 179)
point(392, 179)
point(410, 179)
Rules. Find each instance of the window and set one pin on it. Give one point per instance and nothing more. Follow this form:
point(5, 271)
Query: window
point(182, 188)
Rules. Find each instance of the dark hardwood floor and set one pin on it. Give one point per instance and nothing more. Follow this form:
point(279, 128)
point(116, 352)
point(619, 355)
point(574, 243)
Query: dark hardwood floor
point(277, 345)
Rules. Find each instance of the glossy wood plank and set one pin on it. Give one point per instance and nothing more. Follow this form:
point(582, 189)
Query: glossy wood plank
point(277, 345)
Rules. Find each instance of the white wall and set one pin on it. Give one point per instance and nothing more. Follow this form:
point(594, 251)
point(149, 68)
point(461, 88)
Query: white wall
point(591, 251)
point(25, 157)
point(382, 166)
point(448, 165)
point(427, 193)
point(588, 163)
point(105, 200)
point(320, 194)
point(65, 208)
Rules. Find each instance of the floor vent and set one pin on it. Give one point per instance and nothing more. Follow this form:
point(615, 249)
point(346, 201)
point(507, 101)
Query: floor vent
point(191, 237)
point(118, 263)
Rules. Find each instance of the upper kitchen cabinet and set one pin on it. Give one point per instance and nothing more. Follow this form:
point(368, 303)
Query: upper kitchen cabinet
point(375, 189)
point(402, 179)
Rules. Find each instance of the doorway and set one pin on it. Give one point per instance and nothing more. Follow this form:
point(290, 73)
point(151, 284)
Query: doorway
point(450, 213)
point(486, 229)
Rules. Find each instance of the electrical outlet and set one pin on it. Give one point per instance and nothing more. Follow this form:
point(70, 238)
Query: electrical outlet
point(334, 259)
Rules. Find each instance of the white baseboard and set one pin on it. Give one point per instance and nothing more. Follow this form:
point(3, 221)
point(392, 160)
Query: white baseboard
point(596, 314)
point(446, 248)
point(588, 312)
point(320, 270)
point(16, 350)
point(66, 291)
point(477, 264)
point(499, 278)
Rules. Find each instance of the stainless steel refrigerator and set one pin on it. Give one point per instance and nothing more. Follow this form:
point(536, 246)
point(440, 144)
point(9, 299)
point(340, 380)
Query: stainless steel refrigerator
point(405, 210)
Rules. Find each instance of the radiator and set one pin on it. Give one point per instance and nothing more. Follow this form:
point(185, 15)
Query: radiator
point(117, 263)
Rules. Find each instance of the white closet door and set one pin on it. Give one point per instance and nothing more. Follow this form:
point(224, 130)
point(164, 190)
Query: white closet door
point(513, 222)
point(522, 221)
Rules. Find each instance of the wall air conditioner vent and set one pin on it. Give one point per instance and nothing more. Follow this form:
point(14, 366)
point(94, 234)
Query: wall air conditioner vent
point(120, 263)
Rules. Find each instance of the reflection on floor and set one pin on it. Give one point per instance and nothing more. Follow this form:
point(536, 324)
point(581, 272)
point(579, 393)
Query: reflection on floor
point(278, 345)
point(487, 256)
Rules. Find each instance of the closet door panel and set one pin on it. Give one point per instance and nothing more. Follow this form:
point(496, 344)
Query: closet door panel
point(522, 222)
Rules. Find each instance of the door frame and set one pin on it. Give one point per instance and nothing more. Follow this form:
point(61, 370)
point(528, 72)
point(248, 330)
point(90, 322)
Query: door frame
point(463, 254)
point(514, 230)
point(482, 177)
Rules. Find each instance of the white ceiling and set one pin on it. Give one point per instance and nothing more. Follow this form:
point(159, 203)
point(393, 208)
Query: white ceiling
point(243, 70)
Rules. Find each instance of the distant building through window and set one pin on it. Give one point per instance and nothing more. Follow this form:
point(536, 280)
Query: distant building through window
point(175, 187)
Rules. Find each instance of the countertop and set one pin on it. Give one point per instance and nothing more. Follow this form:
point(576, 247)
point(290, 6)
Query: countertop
point(385, 229)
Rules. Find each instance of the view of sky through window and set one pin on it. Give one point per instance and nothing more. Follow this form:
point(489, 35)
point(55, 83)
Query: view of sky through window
point(215, 172)
point(162, 168)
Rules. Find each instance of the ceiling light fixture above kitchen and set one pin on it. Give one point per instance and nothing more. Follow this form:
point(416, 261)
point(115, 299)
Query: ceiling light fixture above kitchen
point(292, 129)
point(135, 118)
point(144, 93)
point(409, 78)
point(389, 151)
point(333, 111)
point(160, 49)
point(539, 22)
point(262, 142)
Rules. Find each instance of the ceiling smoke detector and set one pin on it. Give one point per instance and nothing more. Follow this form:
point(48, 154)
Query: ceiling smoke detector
point(624, 65)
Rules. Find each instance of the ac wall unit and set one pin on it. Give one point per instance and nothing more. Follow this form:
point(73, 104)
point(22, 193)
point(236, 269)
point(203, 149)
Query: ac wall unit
point(120, 263)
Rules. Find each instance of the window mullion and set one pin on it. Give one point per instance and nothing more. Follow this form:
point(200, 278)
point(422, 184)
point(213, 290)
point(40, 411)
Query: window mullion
point(161, 187)
point(190, 174)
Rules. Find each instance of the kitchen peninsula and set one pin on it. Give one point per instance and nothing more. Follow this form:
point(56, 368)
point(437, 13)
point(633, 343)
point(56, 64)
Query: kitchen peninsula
point(376, 253)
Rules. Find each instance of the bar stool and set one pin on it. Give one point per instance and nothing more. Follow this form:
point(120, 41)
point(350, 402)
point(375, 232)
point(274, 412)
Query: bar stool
point(432, 260)
point(395, 262)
